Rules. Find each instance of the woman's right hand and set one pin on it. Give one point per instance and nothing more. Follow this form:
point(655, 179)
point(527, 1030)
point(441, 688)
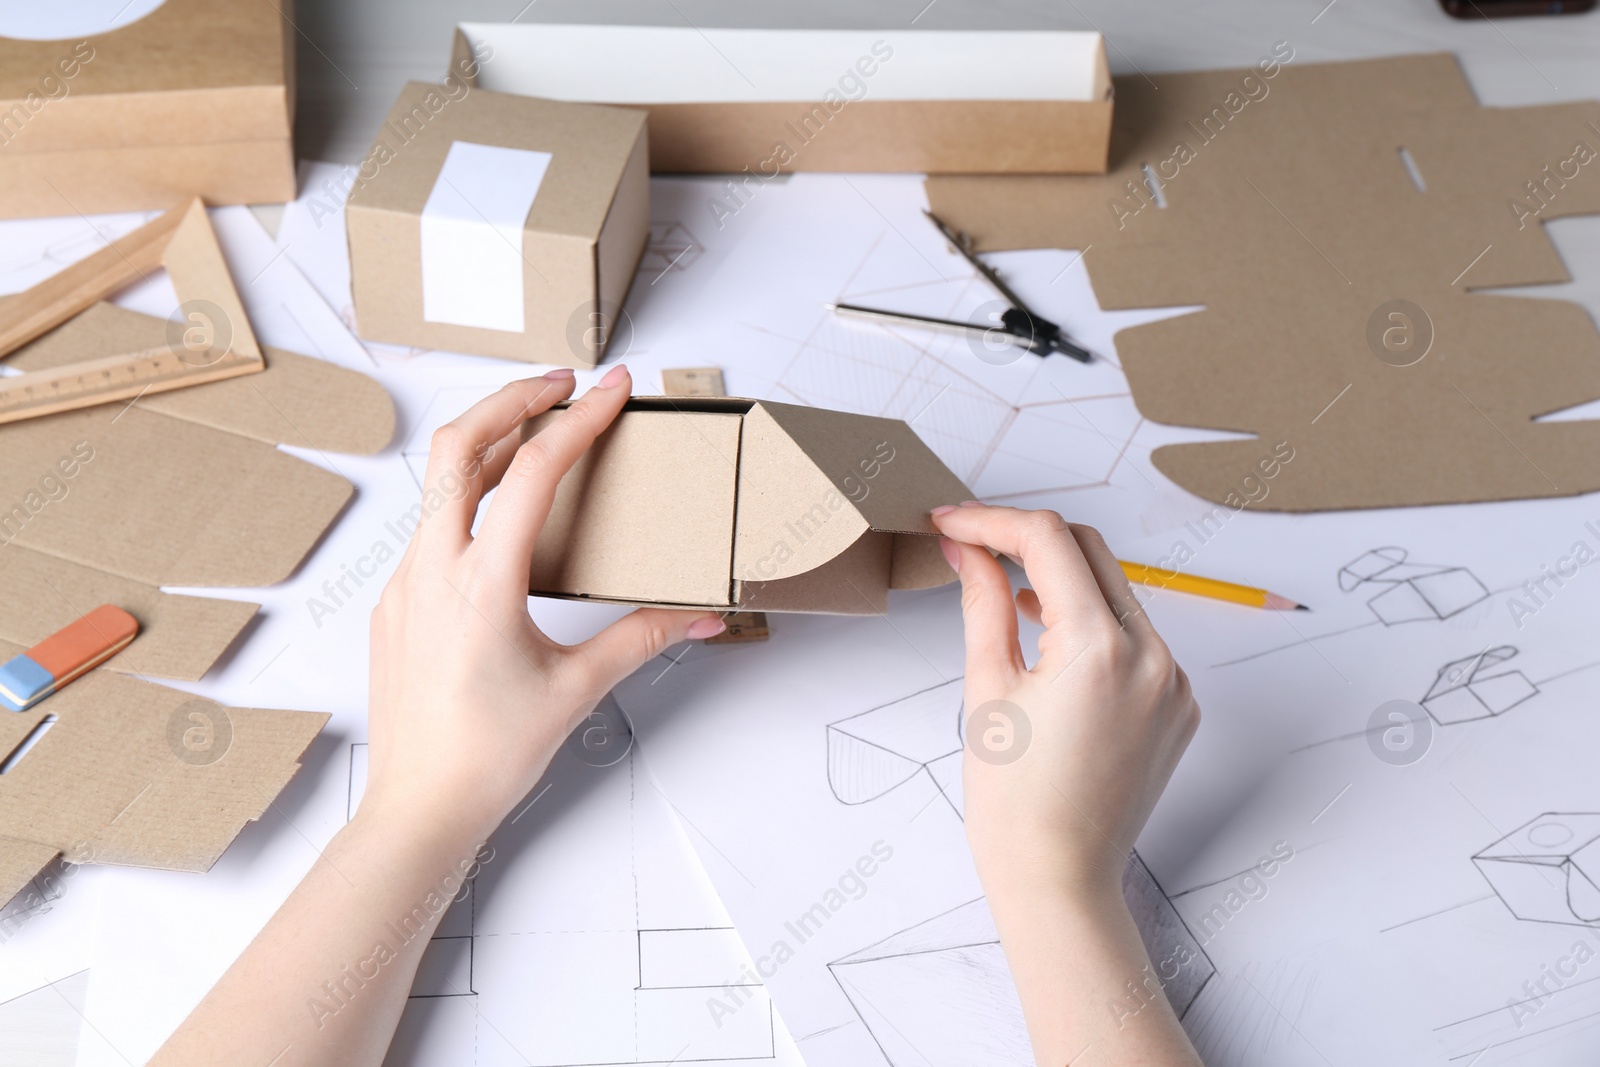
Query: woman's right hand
point(1065, 761)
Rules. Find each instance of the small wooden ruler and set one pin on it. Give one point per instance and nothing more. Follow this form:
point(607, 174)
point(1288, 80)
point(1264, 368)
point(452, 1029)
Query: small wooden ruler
point(209, 340)
point(707, 381)
point(101, 381)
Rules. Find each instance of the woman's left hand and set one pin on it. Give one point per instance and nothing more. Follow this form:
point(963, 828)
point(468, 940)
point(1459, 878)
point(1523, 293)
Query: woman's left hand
point(469, 700)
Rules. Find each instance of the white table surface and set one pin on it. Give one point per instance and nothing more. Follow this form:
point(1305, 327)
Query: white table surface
point(354, 55)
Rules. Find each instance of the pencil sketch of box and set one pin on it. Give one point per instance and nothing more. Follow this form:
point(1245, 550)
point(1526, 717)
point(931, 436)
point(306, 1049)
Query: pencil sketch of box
point(1415, 592)
point(940, 993)
point(883, 748)
point(1471, 688)
point(1548, 870)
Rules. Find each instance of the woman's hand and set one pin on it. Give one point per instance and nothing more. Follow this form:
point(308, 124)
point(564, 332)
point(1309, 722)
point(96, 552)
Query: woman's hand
point(1065, 761)
point(469, 700)
point(1063, 765)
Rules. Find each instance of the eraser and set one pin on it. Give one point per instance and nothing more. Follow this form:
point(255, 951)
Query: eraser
point(64, 655)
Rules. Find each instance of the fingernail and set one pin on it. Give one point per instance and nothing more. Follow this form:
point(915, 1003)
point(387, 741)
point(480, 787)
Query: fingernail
point(972, 503)
point(943, 509)
point(559, 374)
point(614, 376)
point(952, 554)
point(703, 628)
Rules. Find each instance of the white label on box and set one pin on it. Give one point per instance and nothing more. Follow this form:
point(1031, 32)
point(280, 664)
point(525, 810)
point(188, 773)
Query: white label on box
point(472, 235)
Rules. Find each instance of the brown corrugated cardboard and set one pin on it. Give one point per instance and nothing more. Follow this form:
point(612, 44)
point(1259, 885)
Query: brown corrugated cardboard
point(746, 504)
point(195, 98)
point(763, 102)
point(1332, 219)
point(137, 774)
point(581, 234)
point(106, 505)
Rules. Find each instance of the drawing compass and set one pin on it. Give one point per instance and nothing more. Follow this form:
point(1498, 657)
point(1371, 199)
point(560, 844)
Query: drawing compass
point(1018, 323)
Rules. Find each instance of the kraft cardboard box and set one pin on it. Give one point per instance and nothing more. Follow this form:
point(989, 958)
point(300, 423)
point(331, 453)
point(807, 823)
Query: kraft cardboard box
point(194, 99)
point(735, 504)
point(498, 225)
point(762, 102)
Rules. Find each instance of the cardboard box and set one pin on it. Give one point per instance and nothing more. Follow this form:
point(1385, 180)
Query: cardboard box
point(194, 99)
point(498, 225)
point(761, 102)
point(727, 503)
point(1548, 870)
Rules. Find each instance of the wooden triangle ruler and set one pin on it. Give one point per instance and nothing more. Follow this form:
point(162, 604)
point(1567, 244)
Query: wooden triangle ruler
point(210, 338)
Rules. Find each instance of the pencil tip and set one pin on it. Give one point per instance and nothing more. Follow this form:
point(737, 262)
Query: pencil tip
point(1301, 607)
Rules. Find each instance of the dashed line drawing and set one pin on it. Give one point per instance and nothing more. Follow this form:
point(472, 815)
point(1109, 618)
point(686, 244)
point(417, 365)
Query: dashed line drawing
point(507, 980)
point(939, 993)
point(1475, 688)
point(1412, 592)
point(1548, 869)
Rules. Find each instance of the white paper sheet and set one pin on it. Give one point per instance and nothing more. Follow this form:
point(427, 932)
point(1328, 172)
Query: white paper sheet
point(1381, 912)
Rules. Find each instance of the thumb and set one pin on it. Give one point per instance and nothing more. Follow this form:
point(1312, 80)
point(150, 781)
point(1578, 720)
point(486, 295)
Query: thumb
point(638, 637)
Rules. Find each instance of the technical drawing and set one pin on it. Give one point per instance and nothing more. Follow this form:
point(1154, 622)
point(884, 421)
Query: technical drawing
point(1011, 436)
point(671, 247)
point(527, 985)
point(1548, 870)
point(883, 748)
point(945, 980)
point(1413, 592)
point(940, 992)
point(1471, 688)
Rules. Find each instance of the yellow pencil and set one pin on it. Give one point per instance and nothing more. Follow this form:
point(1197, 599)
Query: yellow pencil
point(1211, 587)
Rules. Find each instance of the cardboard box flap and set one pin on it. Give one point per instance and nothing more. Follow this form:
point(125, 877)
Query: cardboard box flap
point(792, 518)
point(880, 465)
point(297, 400)
point(1319, 214)
point(855, 582)
point(179, 636)
point(141, 775)
point(427, 119)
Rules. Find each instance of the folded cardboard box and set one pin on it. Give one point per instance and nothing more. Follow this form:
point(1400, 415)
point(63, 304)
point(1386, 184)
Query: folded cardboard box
point(194, 99)
point(498, 225)
point(721, 502)
point(760, 102)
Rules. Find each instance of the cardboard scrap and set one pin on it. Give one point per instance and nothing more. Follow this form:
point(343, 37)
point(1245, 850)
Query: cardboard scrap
point(138, 774)
point(1332, 219)
point(194, 99)
point(734, 503)
point(107, 505)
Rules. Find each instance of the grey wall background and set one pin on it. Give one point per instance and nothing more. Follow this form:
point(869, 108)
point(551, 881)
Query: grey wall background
point(354, 55)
